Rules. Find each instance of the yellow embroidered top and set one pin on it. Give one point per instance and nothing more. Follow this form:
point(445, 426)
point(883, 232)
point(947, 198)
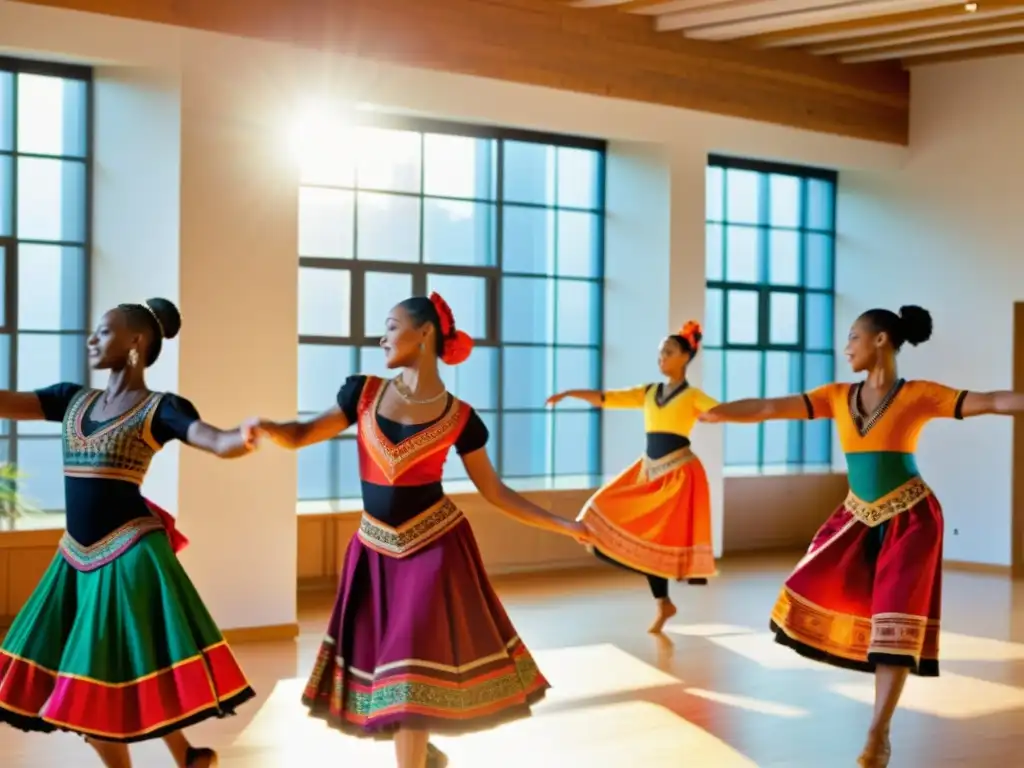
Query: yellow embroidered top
point(880, 450)
point(667, 420)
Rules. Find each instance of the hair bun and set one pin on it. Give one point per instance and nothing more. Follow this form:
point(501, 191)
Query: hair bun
point(168, 316)
point(916, 324)
point(693, 333)
point(457, 348)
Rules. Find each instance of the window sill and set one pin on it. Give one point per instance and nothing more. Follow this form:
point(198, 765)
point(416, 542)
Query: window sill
point(784, 469)
point(459, 488)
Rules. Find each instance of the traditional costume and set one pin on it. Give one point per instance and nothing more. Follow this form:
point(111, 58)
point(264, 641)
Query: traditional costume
point(869, 589)
point(655, 518)
point(115, 642)
point(417, 637)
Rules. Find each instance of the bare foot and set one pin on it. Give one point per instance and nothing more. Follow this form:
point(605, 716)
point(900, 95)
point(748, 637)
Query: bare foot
point(666, 610)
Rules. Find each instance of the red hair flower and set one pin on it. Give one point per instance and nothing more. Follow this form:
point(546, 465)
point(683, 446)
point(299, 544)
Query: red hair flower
point(692, 333)
point(458, 345)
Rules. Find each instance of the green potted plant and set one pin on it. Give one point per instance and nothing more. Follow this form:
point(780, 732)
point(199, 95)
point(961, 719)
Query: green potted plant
point(13, 504)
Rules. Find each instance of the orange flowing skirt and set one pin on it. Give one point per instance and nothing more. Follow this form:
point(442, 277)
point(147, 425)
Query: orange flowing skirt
point(655, 518)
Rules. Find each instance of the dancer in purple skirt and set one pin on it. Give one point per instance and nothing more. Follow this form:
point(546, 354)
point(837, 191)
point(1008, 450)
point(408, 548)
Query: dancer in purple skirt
point(418, 641)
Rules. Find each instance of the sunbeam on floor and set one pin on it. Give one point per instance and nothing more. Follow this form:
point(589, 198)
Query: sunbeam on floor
point(714, 692)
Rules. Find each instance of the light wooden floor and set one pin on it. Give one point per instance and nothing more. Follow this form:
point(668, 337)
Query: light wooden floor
point(714, 693)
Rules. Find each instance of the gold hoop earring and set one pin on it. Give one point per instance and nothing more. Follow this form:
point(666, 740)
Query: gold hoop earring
point(133, 357)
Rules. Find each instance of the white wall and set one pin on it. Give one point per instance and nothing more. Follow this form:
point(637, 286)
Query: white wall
point(136, 118)
point(231, 261)
point(945, 231)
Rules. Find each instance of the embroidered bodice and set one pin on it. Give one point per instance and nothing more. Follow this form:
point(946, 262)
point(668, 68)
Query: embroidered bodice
point(120, 449)
point(105, 461)
point(667, 420)
point(880, 445)
point(401, 465)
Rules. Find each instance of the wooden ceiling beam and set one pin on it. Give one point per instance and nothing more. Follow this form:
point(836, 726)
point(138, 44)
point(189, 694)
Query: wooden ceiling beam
point(539, 42)
point(1011, 49)
point(777, 22)
point(920, 35)
point(659, 7)
point(893, 22)
point(963, 43)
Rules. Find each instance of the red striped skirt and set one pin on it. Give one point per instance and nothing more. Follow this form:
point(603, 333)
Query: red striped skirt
point(864, 596)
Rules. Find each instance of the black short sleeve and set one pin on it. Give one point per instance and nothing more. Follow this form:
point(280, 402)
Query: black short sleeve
point(56, 398)
point(474, 434)
point(174, 415)
point(348, 396)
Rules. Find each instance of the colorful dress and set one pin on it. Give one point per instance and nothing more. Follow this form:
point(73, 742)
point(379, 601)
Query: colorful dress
point(418, 637)
point(869, 589)
point(115, 643)
point(655, 517)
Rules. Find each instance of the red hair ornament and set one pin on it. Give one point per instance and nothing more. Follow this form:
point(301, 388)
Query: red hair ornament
point(693, 333)
point(458, 345)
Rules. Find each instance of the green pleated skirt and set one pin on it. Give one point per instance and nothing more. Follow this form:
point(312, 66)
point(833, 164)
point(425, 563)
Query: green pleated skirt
point(124, 653)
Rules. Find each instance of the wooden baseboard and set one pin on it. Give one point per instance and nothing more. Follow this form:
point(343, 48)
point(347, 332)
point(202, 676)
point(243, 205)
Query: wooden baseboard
point(268, 634)
point(983, 568)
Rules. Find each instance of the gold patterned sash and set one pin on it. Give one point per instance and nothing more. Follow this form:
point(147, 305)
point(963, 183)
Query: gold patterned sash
point(900, 500)
point(110, 547)
point(655, 468)
point(412, 536)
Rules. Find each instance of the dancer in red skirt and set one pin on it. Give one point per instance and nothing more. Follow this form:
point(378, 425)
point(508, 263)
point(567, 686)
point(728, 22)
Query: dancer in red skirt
point(418, 641)
point(867, 594)
point(655, 517)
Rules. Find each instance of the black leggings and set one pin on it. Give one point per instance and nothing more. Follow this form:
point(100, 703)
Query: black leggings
point(658, 584)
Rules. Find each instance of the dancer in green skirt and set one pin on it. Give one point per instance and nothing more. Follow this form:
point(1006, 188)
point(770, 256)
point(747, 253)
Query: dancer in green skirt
point(115, 643)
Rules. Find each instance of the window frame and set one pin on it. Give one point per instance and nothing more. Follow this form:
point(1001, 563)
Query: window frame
point(494, 275)
point(764, 289)
point(9, 323)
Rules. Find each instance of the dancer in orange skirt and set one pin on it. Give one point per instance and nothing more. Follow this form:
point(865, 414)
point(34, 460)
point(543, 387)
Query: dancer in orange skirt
point(867, 594)
point(655, 518)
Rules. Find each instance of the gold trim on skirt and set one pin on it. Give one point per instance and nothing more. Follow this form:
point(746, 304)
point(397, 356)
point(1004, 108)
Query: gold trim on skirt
point(411, 536)
point(873, 513)
point(655, 468)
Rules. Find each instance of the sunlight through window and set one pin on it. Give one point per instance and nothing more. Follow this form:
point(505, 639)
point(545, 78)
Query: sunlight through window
point(573, 674)
point(761, 706)
point(707, 630)
point(44, 144)
point(506, 227)
point(605, 736)
point(951, 697)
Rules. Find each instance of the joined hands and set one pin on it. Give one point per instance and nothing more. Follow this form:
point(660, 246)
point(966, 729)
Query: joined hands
point(252, 432)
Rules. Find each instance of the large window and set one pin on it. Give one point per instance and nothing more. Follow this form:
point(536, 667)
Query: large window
point(44, 244)
point(770, 303)
point(507, 226)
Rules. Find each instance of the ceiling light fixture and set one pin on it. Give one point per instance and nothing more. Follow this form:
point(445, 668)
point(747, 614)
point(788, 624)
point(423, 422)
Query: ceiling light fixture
point(970, 7)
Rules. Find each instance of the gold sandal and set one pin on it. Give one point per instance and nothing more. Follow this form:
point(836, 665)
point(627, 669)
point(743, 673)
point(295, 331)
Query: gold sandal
point(435, 757)
point(877, 752)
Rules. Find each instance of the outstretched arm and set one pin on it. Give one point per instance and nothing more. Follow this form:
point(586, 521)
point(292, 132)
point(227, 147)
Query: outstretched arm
point(592, 396)
point(21, 406)
point(1003, 403)
point(757, 410)
point(633, 397)
point(223, 443)
point(298, 434)
point(481, 472)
